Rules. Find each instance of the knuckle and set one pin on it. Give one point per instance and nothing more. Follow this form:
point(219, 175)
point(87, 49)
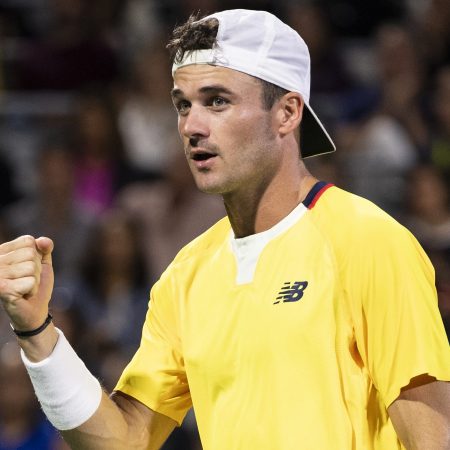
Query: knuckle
point(28, 240)
point(5, 273)
point(30, 287)
point(30, 253)
point(6, 296)
point(30, 267)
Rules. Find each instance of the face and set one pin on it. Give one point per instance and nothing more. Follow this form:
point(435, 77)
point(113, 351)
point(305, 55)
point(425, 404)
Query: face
point(229, 139)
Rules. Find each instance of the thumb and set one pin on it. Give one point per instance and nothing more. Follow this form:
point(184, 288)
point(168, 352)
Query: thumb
point(45, 248)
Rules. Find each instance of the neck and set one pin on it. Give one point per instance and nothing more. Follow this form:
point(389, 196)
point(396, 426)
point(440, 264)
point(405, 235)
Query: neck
point(258, 209)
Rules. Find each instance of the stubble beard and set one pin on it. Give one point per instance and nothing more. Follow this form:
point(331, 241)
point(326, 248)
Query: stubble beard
point(252, 173)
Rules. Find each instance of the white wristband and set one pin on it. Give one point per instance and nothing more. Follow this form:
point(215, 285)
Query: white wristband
point(69, 394)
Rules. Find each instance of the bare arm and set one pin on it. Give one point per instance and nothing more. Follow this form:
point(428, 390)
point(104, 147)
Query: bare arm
point(26, 283)
point(121, 423)
point(421, 414)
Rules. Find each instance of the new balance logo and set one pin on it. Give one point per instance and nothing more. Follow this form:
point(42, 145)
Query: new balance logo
point(291, 292)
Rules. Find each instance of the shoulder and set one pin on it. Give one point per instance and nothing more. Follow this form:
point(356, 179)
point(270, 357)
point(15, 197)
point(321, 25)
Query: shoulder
point(357, 231)
point(349, 217)
point(201, 248)
point(190, 259)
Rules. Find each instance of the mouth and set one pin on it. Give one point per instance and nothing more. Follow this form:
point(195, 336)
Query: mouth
point(202, 156)
point(202, 159)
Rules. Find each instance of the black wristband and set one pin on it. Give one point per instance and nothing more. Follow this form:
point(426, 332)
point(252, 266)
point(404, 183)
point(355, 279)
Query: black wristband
point(25, 334)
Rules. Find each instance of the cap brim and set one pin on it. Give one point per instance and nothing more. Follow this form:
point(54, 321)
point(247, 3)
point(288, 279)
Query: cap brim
point(314, 139)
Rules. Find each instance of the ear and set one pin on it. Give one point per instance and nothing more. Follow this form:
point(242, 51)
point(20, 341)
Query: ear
point(290, 112)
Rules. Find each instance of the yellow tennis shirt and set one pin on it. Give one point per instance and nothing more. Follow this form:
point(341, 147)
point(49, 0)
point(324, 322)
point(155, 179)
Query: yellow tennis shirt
point(297, 338)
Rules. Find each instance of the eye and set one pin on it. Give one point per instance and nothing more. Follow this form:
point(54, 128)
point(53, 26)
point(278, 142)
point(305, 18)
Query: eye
point(217, 102)
point(182, 106)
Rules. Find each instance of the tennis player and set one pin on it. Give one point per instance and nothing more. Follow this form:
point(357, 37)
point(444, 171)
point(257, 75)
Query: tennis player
point(306, 319)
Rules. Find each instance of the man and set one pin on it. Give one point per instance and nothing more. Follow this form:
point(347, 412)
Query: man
point(307, 319)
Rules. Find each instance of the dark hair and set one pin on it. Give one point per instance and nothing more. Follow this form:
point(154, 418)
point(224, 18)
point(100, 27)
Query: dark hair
point(193, 35)
point(202, 35)
point(271, 93)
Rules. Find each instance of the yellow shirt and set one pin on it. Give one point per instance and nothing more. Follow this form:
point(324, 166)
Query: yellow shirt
point(297, 338)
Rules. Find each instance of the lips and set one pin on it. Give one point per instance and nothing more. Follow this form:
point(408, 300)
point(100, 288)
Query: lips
point(203, 159)
point(201, 154)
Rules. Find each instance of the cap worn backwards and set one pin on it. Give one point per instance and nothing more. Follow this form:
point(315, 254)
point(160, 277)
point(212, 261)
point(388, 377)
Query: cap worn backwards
point(259, 44)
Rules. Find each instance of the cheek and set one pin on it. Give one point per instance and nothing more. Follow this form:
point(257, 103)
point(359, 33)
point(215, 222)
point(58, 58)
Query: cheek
point(255, 131)
point(183, 138)
point(243, 127)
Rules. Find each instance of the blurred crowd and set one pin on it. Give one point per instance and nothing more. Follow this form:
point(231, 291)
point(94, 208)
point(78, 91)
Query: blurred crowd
point(90, 156)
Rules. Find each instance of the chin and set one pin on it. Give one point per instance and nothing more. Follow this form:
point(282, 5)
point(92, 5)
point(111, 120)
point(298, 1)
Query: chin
point(213, 184)
point(210, 188)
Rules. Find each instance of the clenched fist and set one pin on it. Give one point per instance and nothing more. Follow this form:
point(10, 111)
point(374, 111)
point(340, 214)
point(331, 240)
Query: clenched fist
point(26, 280)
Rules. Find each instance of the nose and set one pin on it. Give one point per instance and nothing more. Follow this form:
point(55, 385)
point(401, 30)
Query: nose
point(194, 124)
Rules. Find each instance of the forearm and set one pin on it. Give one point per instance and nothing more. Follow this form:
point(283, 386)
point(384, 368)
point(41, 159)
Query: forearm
point(72, 398)
point(75, 404)
point(107, 429)
point(121, 423)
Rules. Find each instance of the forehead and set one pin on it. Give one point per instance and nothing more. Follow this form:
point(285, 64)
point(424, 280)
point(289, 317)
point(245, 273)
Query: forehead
point(194, 77)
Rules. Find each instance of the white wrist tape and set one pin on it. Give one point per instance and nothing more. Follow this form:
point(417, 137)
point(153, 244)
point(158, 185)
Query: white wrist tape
point(69, 394)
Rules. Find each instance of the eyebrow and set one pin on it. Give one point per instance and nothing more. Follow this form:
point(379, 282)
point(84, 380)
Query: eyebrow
point(213, 89)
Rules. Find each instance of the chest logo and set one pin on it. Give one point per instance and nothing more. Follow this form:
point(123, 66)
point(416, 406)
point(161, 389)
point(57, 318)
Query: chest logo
point(291, 292)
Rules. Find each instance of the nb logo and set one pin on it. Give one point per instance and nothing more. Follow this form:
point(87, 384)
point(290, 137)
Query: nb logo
point(291, 292)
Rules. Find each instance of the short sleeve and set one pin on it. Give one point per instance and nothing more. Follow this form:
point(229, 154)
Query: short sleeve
point(399, 331)
point(156, 375)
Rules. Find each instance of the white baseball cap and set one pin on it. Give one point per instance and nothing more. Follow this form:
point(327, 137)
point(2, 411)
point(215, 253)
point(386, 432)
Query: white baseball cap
point(259, 44)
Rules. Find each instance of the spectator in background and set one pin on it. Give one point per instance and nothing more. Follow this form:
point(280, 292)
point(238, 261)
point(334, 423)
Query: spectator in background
point(140, 24)
point(101, 168)
point(113, 289)
point(171, 211)
point(330, 72)
point(403, 79)
point(146, 115)
point(440, 143)
point(383, 145)
point(72, 52)
point(428, 214)
point(53, 211)
point(431, 23)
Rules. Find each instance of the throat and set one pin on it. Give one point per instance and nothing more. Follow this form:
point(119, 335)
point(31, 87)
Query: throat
point(250, 214)
point(248, 218)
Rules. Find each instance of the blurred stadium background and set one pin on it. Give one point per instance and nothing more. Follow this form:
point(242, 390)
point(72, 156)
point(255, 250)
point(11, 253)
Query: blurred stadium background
point(89, 155)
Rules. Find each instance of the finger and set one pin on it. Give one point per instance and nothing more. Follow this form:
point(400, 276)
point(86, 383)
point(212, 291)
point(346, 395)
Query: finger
point(20, 242)
point(45, 248)
point(13, 290)
point(21, 270)
point(21, 255)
